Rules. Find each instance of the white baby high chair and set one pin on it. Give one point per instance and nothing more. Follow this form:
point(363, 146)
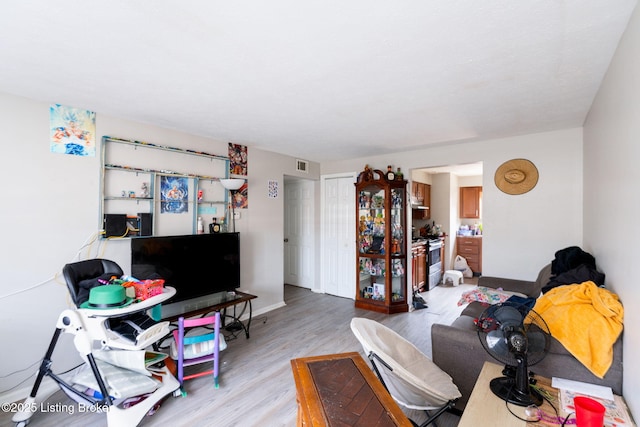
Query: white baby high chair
point(92, 333)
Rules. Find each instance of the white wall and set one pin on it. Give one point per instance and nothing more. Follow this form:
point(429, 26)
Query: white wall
point(611, 200)
point(50, 210)
point(521, 233)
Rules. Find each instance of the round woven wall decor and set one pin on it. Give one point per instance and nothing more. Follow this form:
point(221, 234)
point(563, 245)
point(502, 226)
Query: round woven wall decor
point(516, 176)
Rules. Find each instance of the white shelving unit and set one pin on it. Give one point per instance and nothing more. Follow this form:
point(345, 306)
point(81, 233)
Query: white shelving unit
point(127, 165)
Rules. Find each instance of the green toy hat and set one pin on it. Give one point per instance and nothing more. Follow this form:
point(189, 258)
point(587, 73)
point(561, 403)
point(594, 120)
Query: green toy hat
point(106, 297)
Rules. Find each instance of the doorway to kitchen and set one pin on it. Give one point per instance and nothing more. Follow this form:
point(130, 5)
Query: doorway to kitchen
point(441, 212)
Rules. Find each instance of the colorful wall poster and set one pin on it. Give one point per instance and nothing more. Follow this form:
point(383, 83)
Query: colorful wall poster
point(73, 131)
point(238, 159)
point(240, 198)
point(174, 194)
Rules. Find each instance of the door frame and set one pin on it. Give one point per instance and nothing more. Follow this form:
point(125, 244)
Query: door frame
point(313, 274)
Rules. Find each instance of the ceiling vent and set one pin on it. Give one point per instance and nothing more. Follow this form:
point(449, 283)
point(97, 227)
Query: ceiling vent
point(302, 166)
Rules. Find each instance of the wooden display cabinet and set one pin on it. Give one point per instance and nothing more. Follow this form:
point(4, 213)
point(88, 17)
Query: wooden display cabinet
point(381, 232)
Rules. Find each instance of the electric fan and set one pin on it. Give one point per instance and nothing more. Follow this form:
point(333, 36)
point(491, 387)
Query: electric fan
point(516, 336)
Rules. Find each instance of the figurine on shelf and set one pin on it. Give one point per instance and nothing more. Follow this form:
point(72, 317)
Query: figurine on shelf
point(367, 173)
point(378, 224)
point(365, 201)
point(367, 292)
point(396, 198)
point(377, 202)
point(390, 174)
point(365, 244)
point(145, 190)
point(362, 224)
point(395, 246)
point(369, 224)
point(398, 269)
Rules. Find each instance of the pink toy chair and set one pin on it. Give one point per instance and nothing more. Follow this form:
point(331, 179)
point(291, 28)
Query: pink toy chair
point(188, 353)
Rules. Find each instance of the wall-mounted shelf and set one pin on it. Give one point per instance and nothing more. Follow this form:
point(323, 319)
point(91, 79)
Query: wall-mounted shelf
point(128, 165)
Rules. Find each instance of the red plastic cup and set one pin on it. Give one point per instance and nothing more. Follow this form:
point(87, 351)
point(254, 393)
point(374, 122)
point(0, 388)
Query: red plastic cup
point(589, 412)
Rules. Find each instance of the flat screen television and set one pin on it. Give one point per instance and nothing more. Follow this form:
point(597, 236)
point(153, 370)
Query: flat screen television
point(196, 265)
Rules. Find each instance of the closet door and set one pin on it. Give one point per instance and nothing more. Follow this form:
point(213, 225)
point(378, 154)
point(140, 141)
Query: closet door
point(338, 229)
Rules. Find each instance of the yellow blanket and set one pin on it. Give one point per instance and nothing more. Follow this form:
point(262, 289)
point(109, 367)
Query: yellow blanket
point(586, 319)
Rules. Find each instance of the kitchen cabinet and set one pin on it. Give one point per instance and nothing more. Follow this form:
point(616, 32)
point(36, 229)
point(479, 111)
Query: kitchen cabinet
point(470, 202)
point(420, 200)
point(471, 249)
point(419, 266)
point(381, 233)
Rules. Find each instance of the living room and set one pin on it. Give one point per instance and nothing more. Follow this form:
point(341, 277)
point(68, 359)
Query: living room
point(585, 197)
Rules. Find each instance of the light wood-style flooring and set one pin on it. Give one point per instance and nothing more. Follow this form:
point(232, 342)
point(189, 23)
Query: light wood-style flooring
point(256, 385)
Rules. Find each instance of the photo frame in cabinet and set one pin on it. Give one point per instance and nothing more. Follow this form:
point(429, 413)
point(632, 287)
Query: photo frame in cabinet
point(378, 291)
point(368, 292)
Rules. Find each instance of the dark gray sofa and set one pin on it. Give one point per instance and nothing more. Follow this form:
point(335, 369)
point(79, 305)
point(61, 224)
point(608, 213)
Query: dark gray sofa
point(457, 350)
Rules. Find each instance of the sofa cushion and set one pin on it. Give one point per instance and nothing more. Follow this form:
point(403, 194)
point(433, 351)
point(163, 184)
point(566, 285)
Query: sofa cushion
point(465, 322)
point(474, 309)
point(543, 278)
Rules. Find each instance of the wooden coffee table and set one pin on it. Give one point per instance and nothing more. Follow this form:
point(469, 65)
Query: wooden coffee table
point(341, 390)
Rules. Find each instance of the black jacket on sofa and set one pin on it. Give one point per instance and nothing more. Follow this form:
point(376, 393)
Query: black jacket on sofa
point(573, 265)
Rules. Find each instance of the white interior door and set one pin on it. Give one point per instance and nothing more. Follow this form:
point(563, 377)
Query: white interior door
point(299, 265)
point(338, 243)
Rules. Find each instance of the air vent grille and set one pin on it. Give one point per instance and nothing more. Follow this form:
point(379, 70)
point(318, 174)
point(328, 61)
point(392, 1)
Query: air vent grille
point(302, 166)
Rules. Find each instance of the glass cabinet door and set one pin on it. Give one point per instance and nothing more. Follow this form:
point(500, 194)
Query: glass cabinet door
point(371, 241)
point(372, 279)
point(371, 226)
point(398, 245)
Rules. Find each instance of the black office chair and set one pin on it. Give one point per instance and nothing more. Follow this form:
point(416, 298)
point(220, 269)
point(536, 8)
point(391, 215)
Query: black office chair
point(81, 276)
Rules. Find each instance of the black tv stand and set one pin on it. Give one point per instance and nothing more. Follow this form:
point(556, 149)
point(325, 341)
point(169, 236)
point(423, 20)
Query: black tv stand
point(234, 316)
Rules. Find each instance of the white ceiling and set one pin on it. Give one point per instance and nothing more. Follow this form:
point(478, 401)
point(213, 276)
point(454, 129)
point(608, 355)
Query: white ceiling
point(318, 79)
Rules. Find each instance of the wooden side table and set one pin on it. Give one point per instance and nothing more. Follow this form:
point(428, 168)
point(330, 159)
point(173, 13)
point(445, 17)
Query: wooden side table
point(485, 409)
point(341, 390)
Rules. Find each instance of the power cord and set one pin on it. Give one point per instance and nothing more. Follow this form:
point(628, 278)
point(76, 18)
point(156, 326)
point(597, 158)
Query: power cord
point(39, 361)
point(87, 244)
point(506, 404)
point(541, 415)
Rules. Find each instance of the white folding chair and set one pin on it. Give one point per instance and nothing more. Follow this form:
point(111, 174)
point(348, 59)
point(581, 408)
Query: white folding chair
point(411, 378)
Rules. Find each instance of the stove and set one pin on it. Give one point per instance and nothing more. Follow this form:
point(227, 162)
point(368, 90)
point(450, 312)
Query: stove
point(434, 263)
